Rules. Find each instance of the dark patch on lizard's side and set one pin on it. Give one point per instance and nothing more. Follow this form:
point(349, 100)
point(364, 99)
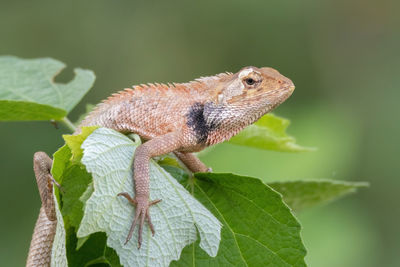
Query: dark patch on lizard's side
point(196, 122)
point(199, 123)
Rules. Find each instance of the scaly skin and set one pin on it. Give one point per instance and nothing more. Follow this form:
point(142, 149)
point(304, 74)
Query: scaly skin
point(187, 117)
point(45, 228)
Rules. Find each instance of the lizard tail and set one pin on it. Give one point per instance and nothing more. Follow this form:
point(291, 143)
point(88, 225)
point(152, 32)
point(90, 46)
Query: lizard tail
point(45, 228)
point(42, 241)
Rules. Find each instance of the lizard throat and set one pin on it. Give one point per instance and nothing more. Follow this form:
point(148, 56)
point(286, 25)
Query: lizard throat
point(214, 123)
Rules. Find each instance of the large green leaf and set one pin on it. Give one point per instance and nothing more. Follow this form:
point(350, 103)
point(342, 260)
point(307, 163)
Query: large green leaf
point(11, 110)
point(258, 228)
point(269, 133)
point(74, 142)
point(61, 159)
point(28, 90)
point(72, 176)
point(93, 251)
point(306, 193)
point(75, 182)
point(177, 219)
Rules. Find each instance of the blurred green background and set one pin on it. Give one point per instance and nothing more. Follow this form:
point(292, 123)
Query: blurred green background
point(342, 55)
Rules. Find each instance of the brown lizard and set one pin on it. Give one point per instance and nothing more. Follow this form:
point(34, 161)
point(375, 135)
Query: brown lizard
point(180, 118)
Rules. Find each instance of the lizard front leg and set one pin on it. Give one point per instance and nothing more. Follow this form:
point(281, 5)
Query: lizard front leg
point(157, 146)
point(45, 228)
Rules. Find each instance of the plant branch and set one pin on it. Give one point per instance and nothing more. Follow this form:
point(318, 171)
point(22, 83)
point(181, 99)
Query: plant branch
point(68, 124)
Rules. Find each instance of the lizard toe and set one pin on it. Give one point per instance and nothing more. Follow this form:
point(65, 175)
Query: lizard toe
point(141, 215)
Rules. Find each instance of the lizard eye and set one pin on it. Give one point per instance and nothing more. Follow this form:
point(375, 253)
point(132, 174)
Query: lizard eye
point(250, 81)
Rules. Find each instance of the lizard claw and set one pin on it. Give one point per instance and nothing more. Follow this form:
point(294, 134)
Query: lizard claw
point(141, 214)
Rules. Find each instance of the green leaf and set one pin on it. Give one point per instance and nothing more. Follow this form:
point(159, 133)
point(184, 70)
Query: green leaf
point(169, 160)
point(28, 90)
point(177, 219)
point(269, 133)
point(74, 142)
point(258, 228)
point(75, 182)
point(172, 166)
point(93, 251)
point(73, 178)
point(81, 241)
point(76, 179)
point(61, 159)
point(58, 251)
point(61, 164)
point(307, 193)
point(28, 111)
point(180, 175)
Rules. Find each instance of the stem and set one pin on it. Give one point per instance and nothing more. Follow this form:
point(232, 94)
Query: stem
point(68, 124)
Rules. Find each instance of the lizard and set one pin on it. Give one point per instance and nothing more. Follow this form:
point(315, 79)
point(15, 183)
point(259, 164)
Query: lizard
point(181, 118)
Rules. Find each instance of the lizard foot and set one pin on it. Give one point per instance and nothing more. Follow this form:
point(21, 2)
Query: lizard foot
point(141, 214)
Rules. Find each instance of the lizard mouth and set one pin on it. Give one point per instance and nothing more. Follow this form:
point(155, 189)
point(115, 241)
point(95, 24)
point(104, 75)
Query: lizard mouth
point(286, 92)
point(291, 87)
point(287, 84)
point(282, 92)
point(279, 95)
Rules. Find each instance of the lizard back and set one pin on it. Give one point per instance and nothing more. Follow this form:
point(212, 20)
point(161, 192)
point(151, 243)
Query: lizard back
point(151, 110)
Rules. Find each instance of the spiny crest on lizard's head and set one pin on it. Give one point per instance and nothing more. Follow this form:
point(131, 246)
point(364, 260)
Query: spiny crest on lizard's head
point(252, 85)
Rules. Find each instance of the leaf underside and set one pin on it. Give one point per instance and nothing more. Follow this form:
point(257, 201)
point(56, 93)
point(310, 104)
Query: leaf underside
point(58, 251)
point(178, 219)
point(28, 90)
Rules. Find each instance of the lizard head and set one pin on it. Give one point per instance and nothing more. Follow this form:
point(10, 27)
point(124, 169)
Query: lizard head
point(237, 100)
point(256, 86)
point(240, 99)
